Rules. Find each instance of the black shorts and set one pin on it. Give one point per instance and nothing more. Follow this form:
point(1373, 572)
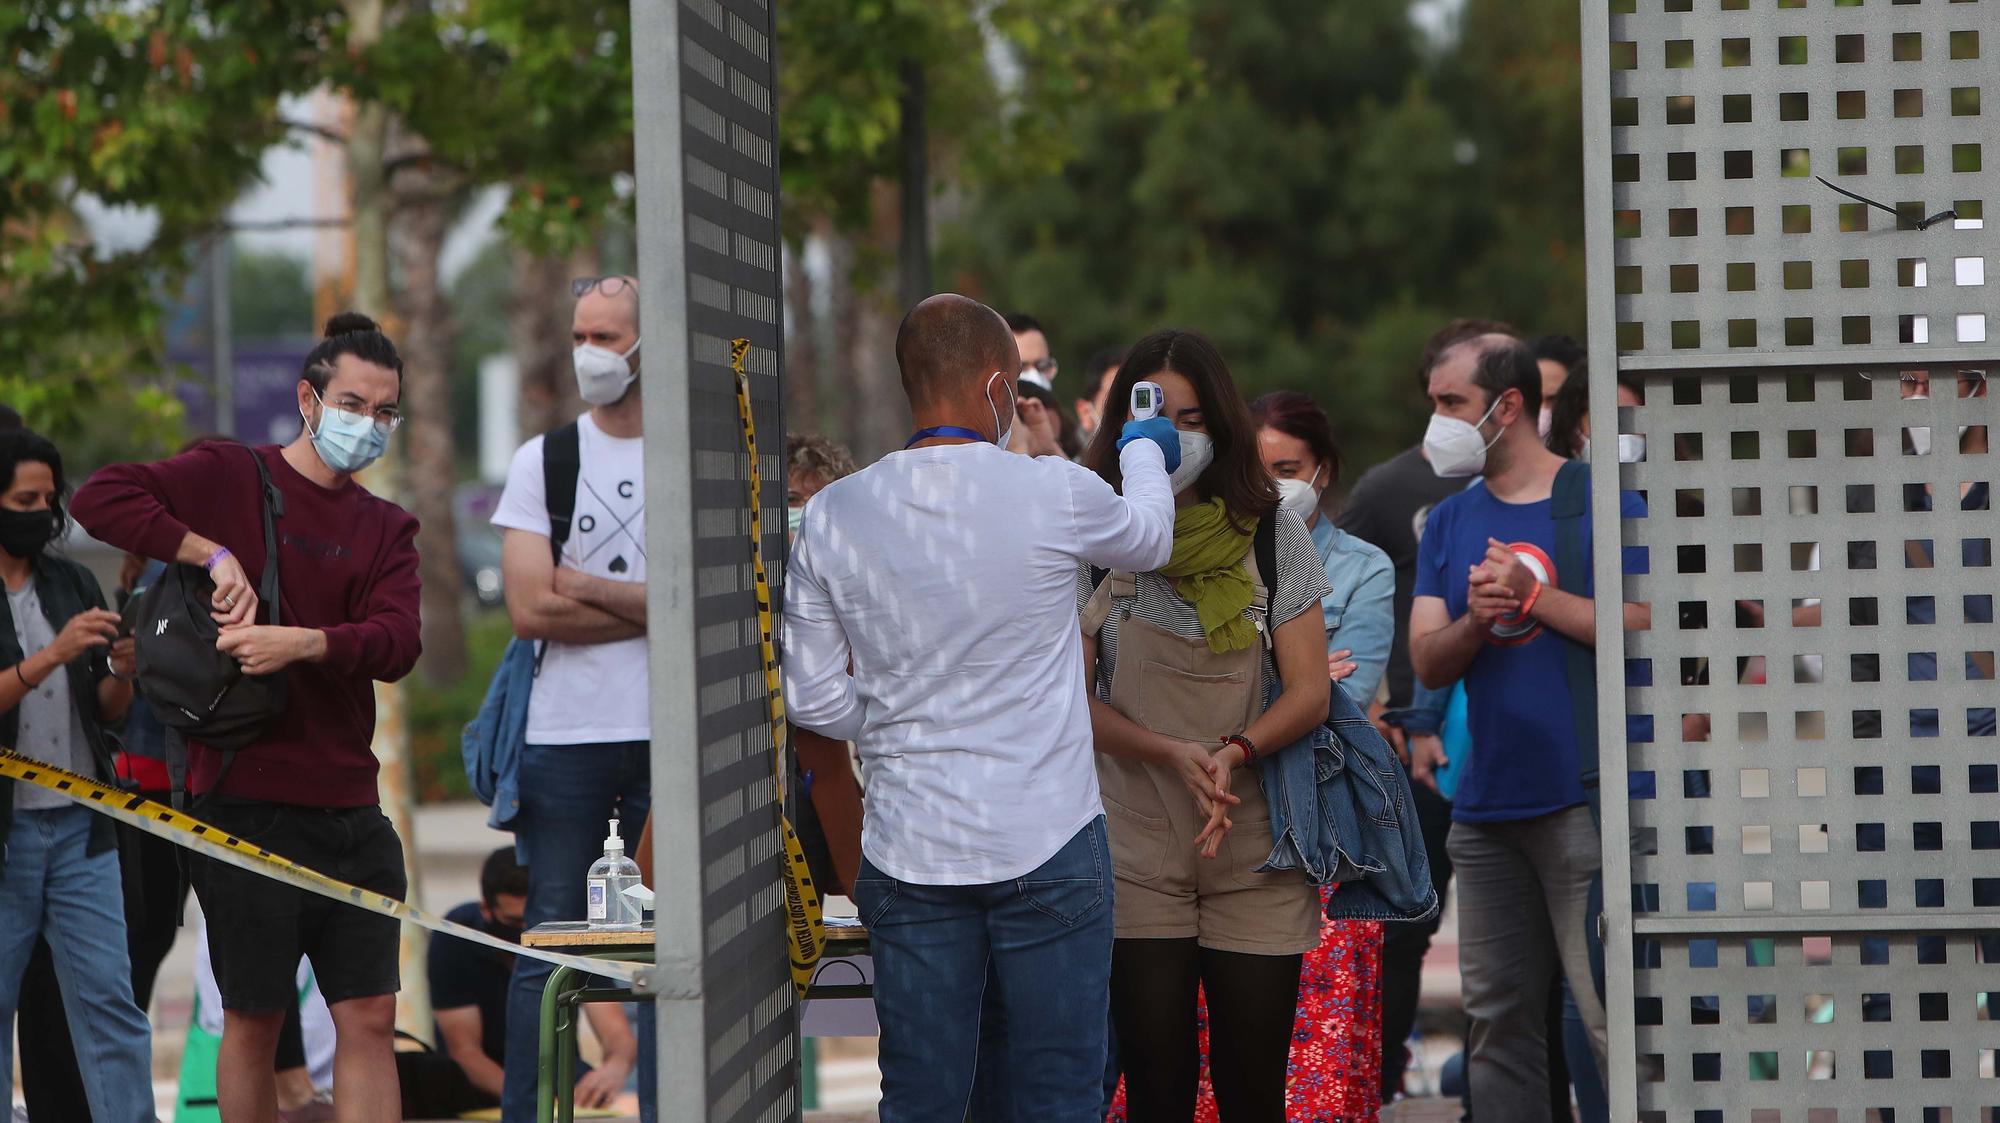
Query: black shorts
point(259, 927)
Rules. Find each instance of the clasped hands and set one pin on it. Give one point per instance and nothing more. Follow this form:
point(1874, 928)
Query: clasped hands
point(1206, 772)
point(1498, 586)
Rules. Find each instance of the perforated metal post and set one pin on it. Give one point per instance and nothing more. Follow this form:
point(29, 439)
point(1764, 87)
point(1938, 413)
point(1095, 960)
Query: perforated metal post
point(705, 136)
point(1806, 924)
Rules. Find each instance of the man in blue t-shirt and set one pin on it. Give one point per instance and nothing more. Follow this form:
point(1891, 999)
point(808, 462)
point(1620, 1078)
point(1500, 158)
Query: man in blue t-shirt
point(1487, 610)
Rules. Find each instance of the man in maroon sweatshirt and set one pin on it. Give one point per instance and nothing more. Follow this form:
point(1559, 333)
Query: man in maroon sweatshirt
point(348, 592)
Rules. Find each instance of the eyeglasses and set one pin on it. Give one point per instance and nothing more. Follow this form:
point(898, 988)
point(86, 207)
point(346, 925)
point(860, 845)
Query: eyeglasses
point(386, 418)
point(609, 286)
point(1045, 366)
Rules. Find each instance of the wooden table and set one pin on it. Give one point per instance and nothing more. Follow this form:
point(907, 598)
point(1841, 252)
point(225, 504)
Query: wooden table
point(568, 987)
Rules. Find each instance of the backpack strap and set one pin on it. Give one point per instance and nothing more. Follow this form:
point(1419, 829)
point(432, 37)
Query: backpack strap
point(562, 463)
point(1105, 584)
point(1569, 506)
point(1262, 563)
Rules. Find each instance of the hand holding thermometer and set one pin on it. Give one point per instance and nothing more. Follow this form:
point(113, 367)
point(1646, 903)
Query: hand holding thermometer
point(1146, 400)
point(1146, 424)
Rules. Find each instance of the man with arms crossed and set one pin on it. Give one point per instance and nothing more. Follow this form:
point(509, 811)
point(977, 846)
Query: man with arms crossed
point(586, 757)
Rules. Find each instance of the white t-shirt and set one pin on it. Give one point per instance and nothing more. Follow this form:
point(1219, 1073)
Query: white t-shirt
point(589, 694)
point(947, 575)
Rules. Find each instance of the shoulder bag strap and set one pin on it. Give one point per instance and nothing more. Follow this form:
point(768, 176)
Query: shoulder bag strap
point(1570, 508)
point(268, 588)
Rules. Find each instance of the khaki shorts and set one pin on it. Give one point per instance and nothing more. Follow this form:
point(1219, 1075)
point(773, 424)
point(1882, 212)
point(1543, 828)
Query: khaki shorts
point(1166, 890)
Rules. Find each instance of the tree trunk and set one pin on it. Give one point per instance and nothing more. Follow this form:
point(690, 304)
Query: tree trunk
point(427, 199)
point(913, 250)
point(851, 417)
point(883, 421)
point(801, 347)
point(538, 331)
point(367, 145)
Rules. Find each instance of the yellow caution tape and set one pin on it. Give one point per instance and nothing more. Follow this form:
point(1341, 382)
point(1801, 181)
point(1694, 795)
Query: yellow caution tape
point(212, 841)
point(807, 938)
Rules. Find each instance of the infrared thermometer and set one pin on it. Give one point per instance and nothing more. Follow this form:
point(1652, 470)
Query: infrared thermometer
point(1146, 400)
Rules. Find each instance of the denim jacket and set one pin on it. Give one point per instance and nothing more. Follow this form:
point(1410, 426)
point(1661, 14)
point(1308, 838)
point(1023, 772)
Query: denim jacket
point(1341, 811)
point(1360, 606)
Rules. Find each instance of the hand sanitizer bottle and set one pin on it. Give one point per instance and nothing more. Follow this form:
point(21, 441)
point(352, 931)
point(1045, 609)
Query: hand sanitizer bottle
point(610, 907)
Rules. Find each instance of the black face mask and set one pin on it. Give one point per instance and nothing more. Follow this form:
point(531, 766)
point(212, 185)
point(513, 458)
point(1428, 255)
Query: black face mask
point(24, 534)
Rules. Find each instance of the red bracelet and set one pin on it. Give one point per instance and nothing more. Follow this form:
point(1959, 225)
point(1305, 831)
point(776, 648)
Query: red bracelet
point(1528, 605)
point(1248, 746)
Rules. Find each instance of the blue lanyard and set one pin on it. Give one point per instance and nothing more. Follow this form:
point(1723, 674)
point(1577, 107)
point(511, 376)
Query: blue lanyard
point(945, 431)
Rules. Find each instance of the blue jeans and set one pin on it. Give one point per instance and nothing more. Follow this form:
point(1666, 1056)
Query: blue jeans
point(1047, 938)
point(50, 887)
point(568, 793)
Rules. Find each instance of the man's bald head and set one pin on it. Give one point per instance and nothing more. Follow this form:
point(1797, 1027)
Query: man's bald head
point(949, 346)
point(607, 315)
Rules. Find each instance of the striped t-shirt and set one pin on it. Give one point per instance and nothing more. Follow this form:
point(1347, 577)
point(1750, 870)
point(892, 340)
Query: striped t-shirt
point(1300, 584)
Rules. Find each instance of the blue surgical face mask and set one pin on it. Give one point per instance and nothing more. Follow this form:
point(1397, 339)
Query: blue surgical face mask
point(346, 442)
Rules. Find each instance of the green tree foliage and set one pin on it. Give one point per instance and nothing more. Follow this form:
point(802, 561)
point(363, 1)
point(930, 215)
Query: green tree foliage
point(533, 95)
point(164, 106)
point(840, 77)
point(1339, 186)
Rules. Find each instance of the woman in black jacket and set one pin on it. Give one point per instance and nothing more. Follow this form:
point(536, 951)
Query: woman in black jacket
point(63, 673)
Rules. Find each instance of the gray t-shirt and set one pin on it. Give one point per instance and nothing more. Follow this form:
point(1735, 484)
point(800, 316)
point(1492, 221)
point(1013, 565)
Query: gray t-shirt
point(50, 730)
point(1300, 584)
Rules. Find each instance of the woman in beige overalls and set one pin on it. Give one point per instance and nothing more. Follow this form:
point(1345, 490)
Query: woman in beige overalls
point(1178, 661)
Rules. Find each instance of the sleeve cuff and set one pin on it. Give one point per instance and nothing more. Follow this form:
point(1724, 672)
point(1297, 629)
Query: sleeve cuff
point(343, 649)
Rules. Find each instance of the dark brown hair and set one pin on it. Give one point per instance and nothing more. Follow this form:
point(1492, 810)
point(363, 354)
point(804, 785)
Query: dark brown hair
point(1296, 415)
point(350, 333)
point(1237, 473)
point(1450, 335)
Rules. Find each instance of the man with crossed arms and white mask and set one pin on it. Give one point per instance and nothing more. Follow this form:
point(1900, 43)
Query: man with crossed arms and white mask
point(586, 757)
point(945, 573)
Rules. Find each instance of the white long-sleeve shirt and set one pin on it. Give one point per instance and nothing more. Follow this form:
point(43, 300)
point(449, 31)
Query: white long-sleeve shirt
point(947, 575)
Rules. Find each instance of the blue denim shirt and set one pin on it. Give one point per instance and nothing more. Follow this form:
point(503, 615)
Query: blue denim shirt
point(1361, 610)
point(1341, 811)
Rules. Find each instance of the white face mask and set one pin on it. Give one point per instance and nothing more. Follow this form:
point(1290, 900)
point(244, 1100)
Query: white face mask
point(1197, 452)
point(1544, 422)
point(1013, 413)
point(1455, 448)
point(1300, 497)
point(1631, 448)
point(602, 375)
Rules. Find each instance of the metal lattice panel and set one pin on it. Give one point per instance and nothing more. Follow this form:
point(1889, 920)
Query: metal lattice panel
point(1811, 718)
point(1807, 732)
point(1722, 114)
point(1812, 1028)
point(706, 132)
point(1812, 761)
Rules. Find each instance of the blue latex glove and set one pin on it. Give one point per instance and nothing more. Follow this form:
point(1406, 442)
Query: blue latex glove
point(1158, 430)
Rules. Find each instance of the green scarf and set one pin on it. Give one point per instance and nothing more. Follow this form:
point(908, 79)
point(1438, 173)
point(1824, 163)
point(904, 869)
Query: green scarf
point(1207, 564)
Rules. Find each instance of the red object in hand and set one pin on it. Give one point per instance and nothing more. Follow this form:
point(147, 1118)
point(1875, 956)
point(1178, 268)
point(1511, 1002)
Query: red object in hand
point(1518, 627)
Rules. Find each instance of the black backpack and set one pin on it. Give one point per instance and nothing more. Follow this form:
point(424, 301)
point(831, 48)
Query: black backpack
point(195, 690)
